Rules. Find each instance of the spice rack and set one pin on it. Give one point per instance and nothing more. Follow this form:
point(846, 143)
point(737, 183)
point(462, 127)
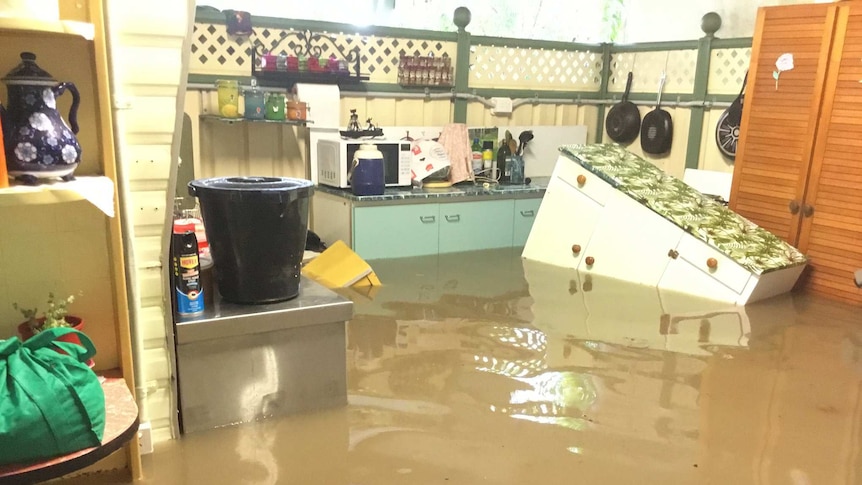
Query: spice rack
point(425, 71)
point(306, 62)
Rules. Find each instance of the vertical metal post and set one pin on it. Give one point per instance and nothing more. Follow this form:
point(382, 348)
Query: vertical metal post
point(710, 24)
point(462, 64)
point(603, 91)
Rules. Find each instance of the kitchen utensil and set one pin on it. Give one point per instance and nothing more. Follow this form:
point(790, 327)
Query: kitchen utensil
point(624, 119)
point(38, 142)
point(524, 138)
point(727, 131)
point(657, 127)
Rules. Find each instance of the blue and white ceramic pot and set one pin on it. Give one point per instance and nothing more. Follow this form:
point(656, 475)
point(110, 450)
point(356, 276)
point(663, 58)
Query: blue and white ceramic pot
point(39, 144)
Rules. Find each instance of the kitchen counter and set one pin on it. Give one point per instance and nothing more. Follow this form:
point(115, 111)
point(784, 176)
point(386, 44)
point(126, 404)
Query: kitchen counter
point(242, 363)
point(315, 304)
point(468, 190)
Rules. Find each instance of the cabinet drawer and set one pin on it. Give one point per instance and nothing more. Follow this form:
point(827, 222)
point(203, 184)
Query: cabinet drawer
point(592, 186)
point(727, 271)
point(468, 226)
point(396, 231)
point(563, 226)
point(525, 214)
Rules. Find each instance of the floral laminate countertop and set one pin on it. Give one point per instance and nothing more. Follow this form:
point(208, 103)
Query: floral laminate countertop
point(465, 190)
point(745, 242)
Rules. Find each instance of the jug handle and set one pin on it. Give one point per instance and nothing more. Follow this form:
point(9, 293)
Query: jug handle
point(352, 167)
point(76, 101)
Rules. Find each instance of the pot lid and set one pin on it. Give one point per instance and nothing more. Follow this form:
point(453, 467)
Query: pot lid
point(28, 71)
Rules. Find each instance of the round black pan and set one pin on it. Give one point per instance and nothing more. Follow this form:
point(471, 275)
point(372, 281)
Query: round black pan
point(657, 128)
point(624, 120)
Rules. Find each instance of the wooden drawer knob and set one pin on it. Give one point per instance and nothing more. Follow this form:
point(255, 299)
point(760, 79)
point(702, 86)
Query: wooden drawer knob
point(576, 248)
point(590, 260)
point(582, 179)
point(712, 263)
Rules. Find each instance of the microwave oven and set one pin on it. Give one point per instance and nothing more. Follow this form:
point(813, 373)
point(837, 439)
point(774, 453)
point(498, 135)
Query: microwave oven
point(335, 159)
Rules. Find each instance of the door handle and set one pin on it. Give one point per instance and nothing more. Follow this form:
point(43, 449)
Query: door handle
point(794, 207)
point(529, 213)
point(427, 219)
point(455, 218)
point(807, 210)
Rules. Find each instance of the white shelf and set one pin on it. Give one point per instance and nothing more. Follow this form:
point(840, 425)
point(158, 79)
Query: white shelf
point(98, 190)
point(37, 26)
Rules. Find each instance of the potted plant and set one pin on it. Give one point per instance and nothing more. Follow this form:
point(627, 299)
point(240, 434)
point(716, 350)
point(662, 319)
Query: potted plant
point(56, 315)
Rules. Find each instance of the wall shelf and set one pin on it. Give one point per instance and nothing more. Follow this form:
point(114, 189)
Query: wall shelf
point(98, 190)
point(222, 119)
point(37, 26)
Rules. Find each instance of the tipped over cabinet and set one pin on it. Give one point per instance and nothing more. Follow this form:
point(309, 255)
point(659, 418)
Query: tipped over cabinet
point(798, 169)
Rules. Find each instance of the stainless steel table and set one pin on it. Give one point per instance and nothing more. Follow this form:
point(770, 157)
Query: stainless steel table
point(241, 363)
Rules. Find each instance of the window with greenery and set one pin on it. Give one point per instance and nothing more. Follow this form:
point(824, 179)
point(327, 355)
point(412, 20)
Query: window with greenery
point(560, 20)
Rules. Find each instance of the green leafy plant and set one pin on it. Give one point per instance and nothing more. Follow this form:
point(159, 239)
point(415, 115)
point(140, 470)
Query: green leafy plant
point(54, 316)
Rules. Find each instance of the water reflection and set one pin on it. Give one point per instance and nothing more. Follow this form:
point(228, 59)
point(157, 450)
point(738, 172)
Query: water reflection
point(483, 368)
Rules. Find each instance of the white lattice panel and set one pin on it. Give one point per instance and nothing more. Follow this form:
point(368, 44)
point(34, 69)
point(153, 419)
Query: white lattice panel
point(513, 67)
point(647, 68)
point(727, 70)
point(216, 52)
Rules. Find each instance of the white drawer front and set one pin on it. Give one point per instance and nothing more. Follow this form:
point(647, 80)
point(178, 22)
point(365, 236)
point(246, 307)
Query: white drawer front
point(727, 271)
point(592, 186)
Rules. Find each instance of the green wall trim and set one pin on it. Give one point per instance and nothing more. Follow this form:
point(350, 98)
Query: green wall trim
point(320, 26)
point(534, 44)
point(655, 46)
point(528, 93)
point(731, 43)
point(701, 86)
point(462, 75)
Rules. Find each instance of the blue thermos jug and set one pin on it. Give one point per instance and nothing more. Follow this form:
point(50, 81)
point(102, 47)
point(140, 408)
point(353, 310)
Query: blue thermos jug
point(366, 174)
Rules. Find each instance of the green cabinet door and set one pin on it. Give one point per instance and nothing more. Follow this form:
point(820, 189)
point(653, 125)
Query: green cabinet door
point(396, 231)
point(525, 214)
point(468, 226)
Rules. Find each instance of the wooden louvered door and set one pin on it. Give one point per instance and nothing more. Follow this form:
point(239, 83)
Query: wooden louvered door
point(831, 232)
point(779, 125)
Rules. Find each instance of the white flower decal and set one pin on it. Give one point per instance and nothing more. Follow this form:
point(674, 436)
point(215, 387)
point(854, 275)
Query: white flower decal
point(40, 121)
point(51, 141)
point(25, 131)
point(69, 154)
point(26, 152)
point(48, 98)
point(47, 160)
point(30, 99)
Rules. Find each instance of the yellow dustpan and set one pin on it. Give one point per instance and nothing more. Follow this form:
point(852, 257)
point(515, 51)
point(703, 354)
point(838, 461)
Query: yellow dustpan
point(339, 267)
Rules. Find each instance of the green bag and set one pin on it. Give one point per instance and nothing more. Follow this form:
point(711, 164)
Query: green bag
point(51, 403)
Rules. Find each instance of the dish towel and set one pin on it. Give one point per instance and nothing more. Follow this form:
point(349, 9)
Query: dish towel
point(456, 142)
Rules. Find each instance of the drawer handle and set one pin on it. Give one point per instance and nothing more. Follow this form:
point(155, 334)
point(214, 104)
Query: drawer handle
point(582, 179)
point(794, 207)
point(427, 219)
point(576, 248)
point(529, 213)
point(712, 263)
point(673, 253)
point(807, 210)
point(590, 260)
point(455, 218)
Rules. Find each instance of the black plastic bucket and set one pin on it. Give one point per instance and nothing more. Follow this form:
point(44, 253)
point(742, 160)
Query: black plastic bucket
point(256, 228)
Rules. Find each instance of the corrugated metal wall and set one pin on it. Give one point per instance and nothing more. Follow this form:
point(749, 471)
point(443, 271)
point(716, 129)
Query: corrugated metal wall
point(148, 43)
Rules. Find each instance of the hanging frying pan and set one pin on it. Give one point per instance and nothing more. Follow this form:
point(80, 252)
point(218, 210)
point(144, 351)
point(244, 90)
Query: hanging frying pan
point(624, 119)
point(727, 131)
point(657, 127)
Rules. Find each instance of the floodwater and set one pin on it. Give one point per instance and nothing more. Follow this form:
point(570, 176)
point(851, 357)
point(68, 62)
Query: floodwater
point(483, 368)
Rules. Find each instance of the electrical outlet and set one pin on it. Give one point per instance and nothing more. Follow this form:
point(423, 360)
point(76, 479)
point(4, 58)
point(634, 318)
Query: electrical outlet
point(145, 438)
